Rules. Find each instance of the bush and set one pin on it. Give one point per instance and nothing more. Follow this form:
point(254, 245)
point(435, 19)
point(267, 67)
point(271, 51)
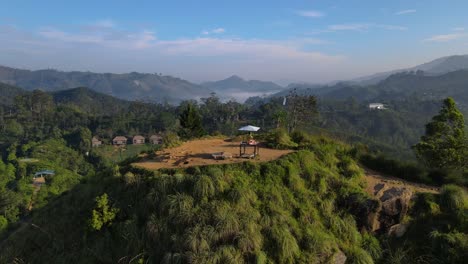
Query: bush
point(453, 198)
point(3, 223)
point(280, 139)
point(171, 140)
point(103, 214)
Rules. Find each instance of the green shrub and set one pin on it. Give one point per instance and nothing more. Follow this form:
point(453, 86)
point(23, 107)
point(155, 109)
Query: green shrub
point(3, 223)
point(103, 214)
point(280, 139)
point(171, 140)
point(453, 198)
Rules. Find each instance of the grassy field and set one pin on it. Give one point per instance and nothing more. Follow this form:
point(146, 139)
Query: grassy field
point(117, 154)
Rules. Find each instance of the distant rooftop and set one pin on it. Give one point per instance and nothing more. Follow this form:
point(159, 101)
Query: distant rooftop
point(44, 172)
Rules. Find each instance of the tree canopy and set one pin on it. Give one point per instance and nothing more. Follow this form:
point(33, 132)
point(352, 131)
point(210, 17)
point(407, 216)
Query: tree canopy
point(445, 144)
point(190, 121)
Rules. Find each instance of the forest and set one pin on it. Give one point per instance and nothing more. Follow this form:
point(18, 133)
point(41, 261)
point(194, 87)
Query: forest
point(307, 207)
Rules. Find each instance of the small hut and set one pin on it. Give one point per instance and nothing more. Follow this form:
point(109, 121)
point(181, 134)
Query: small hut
point(138, 140)
point(156, 140)
point(119, 141)
point(95, 142)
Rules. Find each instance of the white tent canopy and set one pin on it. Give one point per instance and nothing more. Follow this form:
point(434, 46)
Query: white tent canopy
point(249, 128)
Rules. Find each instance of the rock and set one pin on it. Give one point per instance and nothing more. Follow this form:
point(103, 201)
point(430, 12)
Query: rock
point(339, 258)
point(394, 204)
point(378, 187)
point(397, 230)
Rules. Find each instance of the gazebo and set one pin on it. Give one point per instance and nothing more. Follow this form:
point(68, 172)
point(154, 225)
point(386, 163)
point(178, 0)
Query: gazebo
point(43, 173)
point(250, 143)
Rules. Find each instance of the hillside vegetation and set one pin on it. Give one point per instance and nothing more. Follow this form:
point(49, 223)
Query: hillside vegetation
point(287, 211)
point(129, 86)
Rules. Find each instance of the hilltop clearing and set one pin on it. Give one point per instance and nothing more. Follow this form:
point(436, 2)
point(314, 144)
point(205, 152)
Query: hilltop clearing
point(199, 152)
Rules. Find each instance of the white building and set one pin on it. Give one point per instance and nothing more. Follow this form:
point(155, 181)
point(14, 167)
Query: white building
point(377, 106)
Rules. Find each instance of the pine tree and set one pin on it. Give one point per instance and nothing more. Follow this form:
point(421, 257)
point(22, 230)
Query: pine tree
point(191, 123)
point(444, 145)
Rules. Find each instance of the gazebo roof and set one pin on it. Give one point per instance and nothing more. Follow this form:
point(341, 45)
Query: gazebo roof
point(44, 172)
point(249, 128)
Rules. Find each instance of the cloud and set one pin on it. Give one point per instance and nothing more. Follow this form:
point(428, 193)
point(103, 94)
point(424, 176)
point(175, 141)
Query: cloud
point(310, 13)
point(458, 29)
point(214, 31)
point(362, 27)
point(405, 12)
point(199, 58)
point(445, 37)
point(105, 36)
point(352, 27)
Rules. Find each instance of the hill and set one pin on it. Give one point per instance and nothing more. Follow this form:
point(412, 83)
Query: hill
point(241, 89)
point(411, 98)
point(129, 86)
point(8, 94)
point(291, 210)
point(436, 67)
point(404, 86)
point(90, 101)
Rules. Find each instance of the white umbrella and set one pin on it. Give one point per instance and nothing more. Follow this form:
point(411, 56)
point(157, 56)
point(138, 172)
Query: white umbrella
point(249, 128)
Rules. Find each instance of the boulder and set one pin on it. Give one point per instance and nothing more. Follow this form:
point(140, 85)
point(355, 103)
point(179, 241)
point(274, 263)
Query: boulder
point(397, 230)
point(394, 205)
point(339, 258)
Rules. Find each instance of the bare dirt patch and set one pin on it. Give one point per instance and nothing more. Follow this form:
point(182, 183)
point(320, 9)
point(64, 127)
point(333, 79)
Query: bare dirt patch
point(376, 182)
point(199, 152)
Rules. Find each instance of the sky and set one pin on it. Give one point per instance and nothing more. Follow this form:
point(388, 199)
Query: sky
point(282, 41)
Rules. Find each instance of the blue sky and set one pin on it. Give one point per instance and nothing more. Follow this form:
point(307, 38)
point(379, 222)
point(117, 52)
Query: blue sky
point(313, 41)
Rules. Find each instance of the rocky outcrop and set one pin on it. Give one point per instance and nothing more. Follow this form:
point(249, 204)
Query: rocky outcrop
point(393, 206)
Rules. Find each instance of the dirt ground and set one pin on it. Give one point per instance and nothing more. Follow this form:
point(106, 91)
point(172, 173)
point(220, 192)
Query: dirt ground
point(373, 178)
point(198, 152)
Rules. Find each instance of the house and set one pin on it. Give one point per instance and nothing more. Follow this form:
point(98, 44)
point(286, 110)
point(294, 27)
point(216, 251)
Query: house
point(156, 140)
point(95, 142)
point(119, 141)
point(376, 106)
point(138, 140)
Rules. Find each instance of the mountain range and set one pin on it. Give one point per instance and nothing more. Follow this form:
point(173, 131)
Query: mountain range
point(136, 86)
point(129, 86)
point(435, 67)
point(159, 88)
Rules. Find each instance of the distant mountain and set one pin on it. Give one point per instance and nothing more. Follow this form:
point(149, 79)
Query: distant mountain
point(447, 76)
point(402, 86)
point(241, 89)
point(90, 101)
point(8, 94)
point(436, 67)
point(129, 86)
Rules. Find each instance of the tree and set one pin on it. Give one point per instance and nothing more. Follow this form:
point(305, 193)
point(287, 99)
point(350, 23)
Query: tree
point(190, 121)
point(444, 145)
point(300, 109)
point(103, 214)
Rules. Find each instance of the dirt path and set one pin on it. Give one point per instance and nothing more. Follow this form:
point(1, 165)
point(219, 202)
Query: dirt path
point(198, 152)
point(37, 183)
point(374, 178)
